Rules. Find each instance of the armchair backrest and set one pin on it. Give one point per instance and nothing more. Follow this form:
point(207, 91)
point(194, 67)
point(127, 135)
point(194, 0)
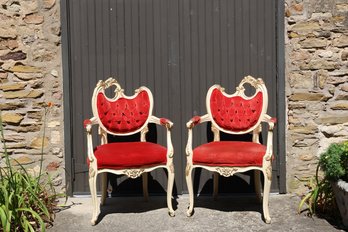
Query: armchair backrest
point(121, 115)
point(237, 113)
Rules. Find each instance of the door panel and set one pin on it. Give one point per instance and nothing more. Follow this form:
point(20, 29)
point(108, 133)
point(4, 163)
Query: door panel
point(177, 48)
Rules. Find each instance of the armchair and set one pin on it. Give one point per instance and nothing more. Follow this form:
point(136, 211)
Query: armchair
point(234, 114)
point(123, 115)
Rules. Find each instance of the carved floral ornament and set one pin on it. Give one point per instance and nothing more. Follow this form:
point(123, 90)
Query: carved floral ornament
point(226, 172)
point(133, 173)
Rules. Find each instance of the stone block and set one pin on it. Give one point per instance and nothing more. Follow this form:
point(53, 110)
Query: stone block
point(313, 43)
point(341, 41)
point(12, 118)
point(306, 157)
point(305, 27)
point(33, 19)
point(35, 115)
point(339, 105)
point(23, 94)
point(3, 75)
point(12, 86)
point(302, 80)
point(319, 64)
point(310, 129)
point(344, 87)
point(342, 7)
point(27, 128)
point(39, 142)
point(18, 55)
point(23, 160)
point(26, 76)
point(333, 119)
point(53, 166)
point(344, 55)
point(11, 105)
point(307, 96)
point(8, 32)
point(24, 69)
point(48, 4)
point(342, 96)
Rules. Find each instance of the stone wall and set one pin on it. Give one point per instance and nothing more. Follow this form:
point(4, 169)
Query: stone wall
point(316, 83)
point(30, 77)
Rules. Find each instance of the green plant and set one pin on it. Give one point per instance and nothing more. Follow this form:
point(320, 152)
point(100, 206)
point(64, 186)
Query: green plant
point(27, 201)
point(319, 199)
point(334, 162)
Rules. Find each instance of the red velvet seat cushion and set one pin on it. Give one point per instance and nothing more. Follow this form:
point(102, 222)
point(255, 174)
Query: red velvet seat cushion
point(130, 155)
point(229, 153)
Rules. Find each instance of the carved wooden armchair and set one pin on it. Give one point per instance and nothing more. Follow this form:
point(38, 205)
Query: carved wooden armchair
point(234, 114)
point(122, 116)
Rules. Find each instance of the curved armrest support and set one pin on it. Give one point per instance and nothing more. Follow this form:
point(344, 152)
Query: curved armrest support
point(88, 123)
point(190, 124)
point(168, 124)
point(271, 122)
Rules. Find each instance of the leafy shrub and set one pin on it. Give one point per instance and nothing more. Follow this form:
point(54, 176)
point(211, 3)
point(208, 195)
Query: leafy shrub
point(334, 162)
point(27, 201)
point(320, 198)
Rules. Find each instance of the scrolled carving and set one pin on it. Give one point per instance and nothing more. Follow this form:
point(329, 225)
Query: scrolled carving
point(133, 173)
point(171, 168)
point(269, 172)
point(226, 172)
point(91, 172)
point(187, 170)
point(108, 83)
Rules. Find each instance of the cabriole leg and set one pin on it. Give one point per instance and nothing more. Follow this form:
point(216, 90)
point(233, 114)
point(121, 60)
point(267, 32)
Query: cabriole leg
point(266, 191)
point(93, 188)
point(190, 190)
point(170, 192)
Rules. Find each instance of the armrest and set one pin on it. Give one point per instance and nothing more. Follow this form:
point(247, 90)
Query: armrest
point(161, 121)
point(197, 120)
point(88, 123)
point(270, 120)
point(166, 122)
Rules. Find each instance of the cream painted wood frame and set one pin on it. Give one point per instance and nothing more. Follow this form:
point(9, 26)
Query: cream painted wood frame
point(132, 173)
point(266, 168)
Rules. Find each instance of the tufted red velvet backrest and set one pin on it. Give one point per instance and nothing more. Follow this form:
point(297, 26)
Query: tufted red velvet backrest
point(235, 113)
point(124, 115)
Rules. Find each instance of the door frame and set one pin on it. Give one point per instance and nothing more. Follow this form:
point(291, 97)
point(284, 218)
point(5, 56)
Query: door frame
point(281, 109)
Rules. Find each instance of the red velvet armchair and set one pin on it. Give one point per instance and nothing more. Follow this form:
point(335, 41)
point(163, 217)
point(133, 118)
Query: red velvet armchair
point(234, 114)
point(122, 116)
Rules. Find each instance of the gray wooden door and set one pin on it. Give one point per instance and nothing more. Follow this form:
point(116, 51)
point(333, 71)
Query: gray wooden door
point(177, 48)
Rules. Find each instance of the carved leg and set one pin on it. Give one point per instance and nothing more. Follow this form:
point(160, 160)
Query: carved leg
point(170, 192)
point(257, 184)
point(190, 189)
point(266, 191)
point(93, 188)
point(104, 179)
point(216, 185)
point(145, 186)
